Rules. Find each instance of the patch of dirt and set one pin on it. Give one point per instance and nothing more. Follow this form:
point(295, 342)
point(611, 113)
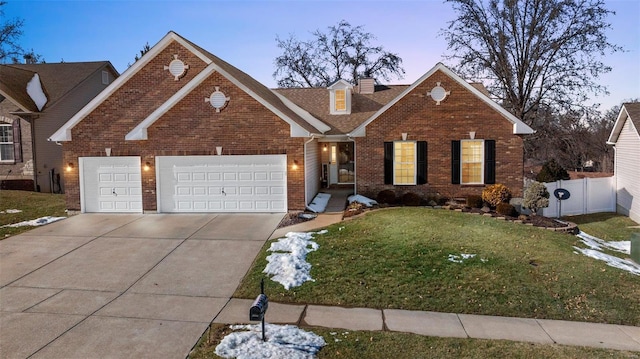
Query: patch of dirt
point(296, 217)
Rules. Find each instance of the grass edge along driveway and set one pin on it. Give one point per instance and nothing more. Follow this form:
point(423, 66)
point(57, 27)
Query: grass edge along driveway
point(400, 259)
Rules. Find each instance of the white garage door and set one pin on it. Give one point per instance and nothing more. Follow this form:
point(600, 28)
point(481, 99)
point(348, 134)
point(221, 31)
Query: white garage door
point(222, 183)
point(110, 184)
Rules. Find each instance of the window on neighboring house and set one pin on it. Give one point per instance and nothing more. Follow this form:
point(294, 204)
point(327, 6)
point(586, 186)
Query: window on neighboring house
point(6, 142)
point(405, 162)
point(340, 100)
point(105, 77)
point(473, 162)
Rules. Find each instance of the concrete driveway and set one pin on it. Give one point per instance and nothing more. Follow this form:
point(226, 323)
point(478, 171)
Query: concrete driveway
point(116, 286)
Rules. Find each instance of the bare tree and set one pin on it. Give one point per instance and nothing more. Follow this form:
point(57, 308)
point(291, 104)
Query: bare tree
point(10, 32)
point(343, 52)
point(532, 52)
point(144, 50)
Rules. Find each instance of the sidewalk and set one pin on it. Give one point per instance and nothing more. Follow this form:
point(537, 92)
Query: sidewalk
point(436, 324)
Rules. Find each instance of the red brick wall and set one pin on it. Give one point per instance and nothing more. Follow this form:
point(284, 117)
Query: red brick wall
point(192, 127)
point(418, 115)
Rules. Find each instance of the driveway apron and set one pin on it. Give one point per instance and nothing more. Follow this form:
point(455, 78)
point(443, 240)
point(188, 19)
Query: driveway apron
point(113, 286)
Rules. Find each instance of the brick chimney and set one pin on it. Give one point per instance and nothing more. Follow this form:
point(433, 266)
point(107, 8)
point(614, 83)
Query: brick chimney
point(366, 85)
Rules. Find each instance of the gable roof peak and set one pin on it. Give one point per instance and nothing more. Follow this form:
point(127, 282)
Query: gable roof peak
point(519, 127)
point(340, 83)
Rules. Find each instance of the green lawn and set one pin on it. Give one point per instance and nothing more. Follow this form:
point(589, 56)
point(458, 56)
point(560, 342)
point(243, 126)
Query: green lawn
point(32, 204)
point(607, 226)
point(384, 345)
point(398, 258)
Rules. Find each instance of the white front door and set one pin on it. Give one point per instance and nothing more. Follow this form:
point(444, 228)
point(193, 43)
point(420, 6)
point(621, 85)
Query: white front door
point(222, 183)
point(110, 184)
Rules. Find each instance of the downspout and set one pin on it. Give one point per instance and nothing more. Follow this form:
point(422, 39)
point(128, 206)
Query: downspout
point(615, 178)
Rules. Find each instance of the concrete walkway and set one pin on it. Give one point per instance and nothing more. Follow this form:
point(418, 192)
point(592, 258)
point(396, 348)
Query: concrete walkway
point(122, 286)
point(436, 324)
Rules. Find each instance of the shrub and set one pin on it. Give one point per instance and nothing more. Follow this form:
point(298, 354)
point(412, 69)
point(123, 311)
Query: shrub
point(506, 209)
point(386, 196)
point(552, 171)
point(496, 194)
point(536, 196)
point(411, 199)
point(474, 201)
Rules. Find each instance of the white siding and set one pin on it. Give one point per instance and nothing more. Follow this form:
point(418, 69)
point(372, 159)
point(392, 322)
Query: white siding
point(311, 171)
point(627, 171)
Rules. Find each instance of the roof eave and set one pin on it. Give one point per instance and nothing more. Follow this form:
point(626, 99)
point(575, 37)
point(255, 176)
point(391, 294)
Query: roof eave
point(64, 133)
point(519, 127)
point(140, 131)
point(623, 115)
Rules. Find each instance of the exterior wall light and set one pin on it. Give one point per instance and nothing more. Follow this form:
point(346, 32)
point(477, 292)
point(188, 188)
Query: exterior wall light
point(147, 167)
point(324, 149)
point(69, 167)
point(294, 166)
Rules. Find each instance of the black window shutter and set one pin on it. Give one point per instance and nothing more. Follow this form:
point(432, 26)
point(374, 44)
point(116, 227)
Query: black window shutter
point(489, 161)
point(17, 141)
point(388, 163)
point(455, 162)
point(421, 165)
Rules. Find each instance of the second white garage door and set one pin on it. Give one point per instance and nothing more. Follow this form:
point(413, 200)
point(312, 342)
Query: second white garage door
point(222, 183)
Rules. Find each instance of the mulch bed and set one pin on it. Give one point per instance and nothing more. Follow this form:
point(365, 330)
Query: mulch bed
point(357, 208)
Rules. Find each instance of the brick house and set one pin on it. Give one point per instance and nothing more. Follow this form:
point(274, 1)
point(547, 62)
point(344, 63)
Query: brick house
point(35, 100)
point(183, 131)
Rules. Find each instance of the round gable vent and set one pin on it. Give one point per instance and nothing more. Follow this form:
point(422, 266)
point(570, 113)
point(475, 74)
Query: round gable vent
point(438, 93)
point(217, 99)
point(177, 68)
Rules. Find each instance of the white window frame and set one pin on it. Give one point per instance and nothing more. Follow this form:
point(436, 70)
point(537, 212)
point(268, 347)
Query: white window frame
point(415, 164)
point(105, 77)
point(9, 143)
point(341, 85)
point(462, 161)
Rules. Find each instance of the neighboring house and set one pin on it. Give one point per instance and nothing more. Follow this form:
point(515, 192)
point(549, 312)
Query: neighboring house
point(625, 136)
point(35, 100)
point(183, 131)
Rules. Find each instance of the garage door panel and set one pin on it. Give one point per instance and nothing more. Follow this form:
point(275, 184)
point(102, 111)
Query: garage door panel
point(221, 183)
point(214, 176)
point(110, 184)
point(277, 190)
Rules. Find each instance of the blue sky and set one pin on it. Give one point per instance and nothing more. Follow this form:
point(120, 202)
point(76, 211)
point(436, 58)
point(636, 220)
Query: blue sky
point(243, 32)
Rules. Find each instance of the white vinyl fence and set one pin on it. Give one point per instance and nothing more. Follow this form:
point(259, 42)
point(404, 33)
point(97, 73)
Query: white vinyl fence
point(587, 195)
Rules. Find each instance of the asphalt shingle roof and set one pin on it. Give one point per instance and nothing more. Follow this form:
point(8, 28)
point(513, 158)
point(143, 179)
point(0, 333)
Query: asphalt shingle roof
point(57, 79)
point(633, 109)
point(316, 102)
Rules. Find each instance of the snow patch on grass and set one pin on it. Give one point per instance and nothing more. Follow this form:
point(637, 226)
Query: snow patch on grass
point(283, 341)
point(288, 265)
point(36, 222)
point(455, 258)
point(10, 211)
point(596, 245)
